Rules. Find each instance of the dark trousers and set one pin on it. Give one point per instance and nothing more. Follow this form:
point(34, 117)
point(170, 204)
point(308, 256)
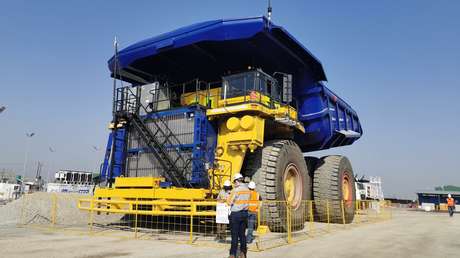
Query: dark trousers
point(221, 228)
point(238, 222)
point(451, 210)
point(252, 218)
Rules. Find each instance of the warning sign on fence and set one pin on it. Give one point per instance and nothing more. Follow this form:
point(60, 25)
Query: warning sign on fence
point(222, 212)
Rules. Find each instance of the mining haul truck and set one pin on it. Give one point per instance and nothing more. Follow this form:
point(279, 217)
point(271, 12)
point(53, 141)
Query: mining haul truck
point(194, 106)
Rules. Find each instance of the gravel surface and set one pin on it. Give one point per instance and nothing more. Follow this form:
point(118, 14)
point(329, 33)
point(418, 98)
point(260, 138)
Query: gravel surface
point(10, 212)
point(408, 234)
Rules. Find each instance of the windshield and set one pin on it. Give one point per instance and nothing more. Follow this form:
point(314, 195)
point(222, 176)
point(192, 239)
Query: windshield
point(243, 83)
point(239, 84)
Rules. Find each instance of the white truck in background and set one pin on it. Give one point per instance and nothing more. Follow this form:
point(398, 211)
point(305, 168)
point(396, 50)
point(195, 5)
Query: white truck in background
point(9, 192)
point(369, 189)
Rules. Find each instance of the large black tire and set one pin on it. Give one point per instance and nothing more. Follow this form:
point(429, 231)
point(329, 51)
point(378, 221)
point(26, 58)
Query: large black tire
point(312, 163)
point(269, 167)
point(334, 184)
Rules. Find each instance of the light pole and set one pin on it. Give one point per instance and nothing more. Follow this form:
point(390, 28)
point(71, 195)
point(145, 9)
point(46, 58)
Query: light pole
point(51, 166)
point(97, 150)
point(29, 136)
point(2, 109)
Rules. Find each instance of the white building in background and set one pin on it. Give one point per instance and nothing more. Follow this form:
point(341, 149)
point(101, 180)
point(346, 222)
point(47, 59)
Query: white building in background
point(72, 181)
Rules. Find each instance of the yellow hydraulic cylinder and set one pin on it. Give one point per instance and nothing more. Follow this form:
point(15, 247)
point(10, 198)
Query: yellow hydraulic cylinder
point(236, 136)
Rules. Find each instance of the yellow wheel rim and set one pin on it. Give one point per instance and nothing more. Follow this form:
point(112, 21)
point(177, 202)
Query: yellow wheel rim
point(293, 186)
point(347, 190)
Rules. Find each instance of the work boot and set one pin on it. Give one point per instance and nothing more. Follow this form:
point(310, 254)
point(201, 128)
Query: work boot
point(242, 255)
point(231, 256)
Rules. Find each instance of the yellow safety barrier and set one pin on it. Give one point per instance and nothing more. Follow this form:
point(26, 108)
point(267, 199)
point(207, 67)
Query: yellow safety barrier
point(278, 223)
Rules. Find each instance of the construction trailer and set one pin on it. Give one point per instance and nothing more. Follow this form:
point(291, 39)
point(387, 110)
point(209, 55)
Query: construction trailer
point(194, 106)
point(72, 181)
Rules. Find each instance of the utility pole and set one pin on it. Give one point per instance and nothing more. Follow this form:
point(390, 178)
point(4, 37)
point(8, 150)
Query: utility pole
point(28, 139)
point(97, 150)
point(51, 173)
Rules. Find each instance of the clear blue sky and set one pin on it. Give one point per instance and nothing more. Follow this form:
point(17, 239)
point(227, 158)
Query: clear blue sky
point(396, 62)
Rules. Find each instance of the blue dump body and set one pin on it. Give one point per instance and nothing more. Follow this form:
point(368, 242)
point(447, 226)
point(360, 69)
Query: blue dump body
point(329, 121)
point(211, 49)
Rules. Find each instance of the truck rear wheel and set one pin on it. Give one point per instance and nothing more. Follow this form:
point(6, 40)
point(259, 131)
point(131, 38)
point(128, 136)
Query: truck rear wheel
point(281, 174)
point(334, 184)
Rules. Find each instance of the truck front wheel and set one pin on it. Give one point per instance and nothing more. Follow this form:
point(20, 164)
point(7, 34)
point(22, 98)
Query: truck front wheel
point(282, 179)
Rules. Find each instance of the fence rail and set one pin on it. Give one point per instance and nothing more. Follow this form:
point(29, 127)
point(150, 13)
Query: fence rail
point(277, 223)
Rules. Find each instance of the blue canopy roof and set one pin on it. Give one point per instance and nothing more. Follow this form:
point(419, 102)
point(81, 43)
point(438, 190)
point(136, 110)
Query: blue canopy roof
point(210, 49)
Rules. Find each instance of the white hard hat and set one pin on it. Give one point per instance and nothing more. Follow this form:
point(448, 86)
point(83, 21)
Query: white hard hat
point(449, 195)
point(227, 183)
point(237, 176)
point(252, 185)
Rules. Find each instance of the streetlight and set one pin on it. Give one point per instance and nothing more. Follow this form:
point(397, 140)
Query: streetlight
point(97, 150)
point(29, 136)
point(51, 166)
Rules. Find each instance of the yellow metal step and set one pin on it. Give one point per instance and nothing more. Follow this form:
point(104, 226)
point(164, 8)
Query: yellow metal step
point(137, 182)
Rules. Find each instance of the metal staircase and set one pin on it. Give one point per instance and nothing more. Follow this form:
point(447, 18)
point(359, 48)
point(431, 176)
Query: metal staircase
point(158, 138)
point(169, 158)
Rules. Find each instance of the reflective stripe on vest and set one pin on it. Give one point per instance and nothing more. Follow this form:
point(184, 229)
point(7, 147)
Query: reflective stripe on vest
point(243, 201)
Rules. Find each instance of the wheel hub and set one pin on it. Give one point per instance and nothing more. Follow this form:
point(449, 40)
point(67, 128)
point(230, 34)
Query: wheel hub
point(347, 190)
point(293, 187)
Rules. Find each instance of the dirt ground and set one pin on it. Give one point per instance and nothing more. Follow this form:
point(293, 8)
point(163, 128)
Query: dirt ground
point(408, 234)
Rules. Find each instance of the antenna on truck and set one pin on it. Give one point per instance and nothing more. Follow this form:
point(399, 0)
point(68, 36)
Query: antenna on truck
point(269, 11)
point(115, 70)
point(114, 113)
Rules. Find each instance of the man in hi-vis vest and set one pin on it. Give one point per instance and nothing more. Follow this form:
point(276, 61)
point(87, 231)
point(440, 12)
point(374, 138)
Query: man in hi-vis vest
point(254, 203)
point(450, 205)
point(239, 203)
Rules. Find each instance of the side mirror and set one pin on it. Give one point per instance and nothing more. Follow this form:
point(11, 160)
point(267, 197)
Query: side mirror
point(287, 88)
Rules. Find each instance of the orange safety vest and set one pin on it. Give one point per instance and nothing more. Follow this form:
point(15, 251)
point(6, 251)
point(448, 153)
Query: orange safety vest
point(450, 202)
point(254, 201)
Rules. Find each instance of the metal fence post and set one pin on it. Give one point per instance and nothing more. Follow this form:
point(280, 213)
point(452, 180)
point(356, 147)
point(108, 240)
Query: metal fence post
point(22, 220)
point(390, 210)
point(192, 210)
point(289, 224)
point(54, 210)
point(258, 242)
point(328, 216)
point(310, 211)
point(135, 218)
point(376, 209)
point(342, 204)
point(91, 215)
point(357, 219)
